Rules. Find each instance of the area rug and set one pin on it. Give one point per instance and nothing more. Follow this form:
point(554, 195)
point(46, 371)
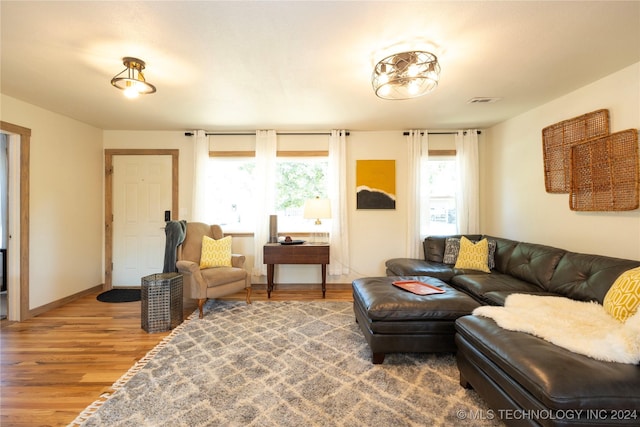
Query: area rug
point(283, 364)
point(119, 295)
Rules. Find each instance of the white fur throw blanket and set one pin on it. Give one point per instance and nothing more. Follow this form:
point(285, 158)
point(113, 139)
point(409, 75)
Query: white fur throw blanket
point(582, 327)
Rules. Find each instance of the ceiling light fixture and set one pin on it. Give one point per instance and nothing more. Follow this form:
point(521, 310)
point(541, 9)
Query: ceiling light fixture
point(406, 75)
point(131, 80)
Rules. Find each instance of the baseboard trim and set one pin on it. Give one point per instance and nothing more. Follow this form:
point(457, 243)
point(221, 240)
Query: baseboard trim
point(66, 300)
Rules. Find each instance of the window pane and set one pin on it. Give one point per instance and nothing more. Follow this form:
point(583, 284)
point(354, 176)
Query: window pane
point(298, 179)
point(443, 184)
point(231, 184)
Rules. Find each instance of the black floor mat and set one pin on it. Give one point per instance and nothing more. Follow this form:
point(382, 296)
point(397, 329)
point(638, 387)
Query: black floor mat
point(120, 295)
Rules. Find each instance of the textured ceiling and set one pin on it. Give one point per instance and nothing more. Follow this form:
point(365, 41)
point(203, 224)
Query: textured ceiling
point(306, 65)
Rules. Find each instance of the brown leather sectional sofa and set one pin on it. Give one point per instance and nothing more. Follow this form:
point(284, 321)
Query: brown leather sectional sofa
point(524, 379)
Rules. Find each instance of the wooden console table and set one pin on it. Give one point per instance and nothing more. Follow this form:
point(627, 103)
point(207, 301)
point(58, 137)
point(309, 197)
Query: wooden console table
point(275, 253)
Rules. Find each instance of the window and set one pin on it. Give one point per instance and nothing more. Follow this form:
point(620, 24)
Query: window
point(232, 183)
point(297, 180)
point(442, 186)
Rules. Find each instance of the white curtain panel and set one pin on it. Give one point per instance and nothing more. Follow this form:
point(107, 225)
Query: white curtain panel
point(337, 170)
point(418, 195)
point(266, 147)
point(469, 182)
point(199, 207)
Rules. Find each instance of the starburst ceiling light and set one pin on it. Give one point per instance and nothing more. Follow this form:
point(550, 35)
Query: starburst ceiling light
point(406, 75)
point(131, 80)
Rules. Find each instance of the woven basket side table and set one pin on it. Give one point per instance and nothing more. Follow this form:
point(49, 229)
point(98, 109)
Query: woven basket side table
point(161, 296)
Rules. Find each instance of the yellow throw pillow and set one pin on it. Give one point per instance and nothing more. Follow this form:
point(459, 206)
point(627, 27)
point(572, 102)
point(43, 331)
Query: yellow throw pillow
point(473, 256)
point(215, 253)
point(623, 298)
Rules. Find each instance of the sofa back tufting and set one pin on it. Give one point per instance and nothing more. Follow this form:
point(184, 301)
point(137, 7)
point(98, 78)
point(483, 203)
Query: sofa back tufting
point(534, 263)
point(587, 277)
point(504, 249)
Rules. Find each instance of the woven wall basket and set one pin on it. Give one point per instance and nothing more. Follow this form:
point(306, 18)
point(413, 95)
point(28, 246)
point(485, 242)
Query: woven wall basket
point(605, 173)
point(557, 140)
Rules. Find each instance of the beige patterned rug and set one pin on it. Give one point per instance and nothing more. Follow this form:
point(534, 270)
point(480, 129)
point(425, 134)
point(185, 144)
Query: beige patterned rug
point(283, 364)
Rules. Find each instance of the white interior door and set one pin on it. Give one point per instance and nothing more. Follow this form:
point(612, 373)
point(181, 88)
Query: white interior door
point(141, 195)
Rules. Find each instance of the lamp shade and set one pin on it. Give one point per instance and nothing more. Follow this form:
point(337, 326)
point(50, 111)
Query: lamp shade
point(317, 208)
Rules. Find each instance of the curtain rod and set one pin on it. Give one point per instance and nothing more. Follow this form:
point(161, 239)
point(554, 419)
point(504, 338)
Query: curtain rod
point(253, 133)
point(442, 133)
point(308, 133)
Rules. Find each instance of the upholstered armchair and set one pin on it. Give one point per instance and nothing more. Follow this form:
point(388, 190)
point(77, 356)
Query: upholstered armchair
point(213, 282)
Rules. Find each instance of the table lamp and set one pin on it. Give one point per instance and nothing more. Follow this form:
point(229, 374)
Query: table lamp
point(318, 209)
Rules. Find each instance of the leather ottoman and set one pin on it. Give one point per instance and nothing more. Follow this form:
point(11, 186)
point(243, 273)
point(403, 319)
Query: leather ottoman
point(397, 321)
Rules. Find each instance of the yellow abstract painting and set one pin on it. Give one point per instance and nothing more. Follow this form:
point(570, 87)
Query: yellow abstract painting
point(376, 184)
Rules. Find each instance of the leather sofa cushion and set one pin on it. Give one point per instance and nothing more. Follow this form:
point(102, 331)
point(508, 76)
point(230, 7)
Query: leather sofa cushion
point(384, 302)
point(498, 297)
point(480, 284)
point(534, 263)
point(558, 378)
point(587, 277)
point(418, 267)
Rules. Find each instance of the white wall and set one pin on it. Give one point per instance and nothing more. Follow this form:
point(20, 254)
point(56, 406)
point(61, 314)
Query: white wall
point(515, 204)
point(66, 202)
point(376, 235)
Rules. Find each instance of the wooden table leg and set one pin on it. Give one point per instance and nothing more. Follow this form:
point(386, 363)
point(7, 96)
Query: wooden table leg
point(270, 271)
point(324, 279)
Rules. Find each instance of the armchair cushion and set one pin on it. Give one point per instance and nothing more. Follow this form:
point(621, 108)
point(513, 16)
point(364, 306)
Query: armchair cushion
point(215, 253)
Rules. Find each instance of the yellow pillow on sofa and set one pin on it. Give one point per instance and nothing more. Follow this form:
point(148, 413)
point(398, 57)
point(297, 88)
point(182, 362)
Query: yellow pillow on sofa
point(623, 298)
point(215, 253)
point(473, 256)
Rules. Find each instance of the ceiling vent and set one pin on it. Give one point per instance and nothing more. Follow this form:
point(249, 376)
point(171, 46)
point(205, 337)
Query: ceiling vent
point(483, 100)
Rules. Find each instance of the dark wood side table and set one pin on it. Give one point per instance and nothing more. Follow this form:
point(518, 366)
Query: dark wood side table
point(275, 253)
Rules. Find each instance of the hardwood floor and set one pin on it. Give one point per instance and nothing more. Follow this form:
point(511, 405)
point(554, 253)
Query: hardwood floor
point(54, 365)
